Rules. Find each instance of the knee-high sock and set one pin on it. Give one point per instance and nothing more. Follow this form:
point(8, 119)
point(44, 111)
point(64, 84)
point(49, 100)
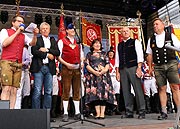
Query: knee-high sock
point(76, 104)
point(65, 106)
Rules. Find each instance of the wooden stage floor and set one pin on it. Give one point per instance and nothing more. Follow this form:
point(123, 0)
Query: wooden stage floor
point(115, 122)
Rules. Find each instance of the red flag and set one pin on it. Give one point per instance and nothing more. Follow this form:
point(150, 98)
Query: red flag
point(61, 29)
point(90, 31)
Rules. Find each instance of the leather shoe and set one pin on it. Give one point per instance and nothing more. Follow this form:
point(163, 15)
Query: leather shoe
point(52, 120)
point(102, 117)
point(65, 118)
point(163, 116)
point(96, 117)
point(127, 116)
point(77, 116)
point(117, 112)
point(141, 116)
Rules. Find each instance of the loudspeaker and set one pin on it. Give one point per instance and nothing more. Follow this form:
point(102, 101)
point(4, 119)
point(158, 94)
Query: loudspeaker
point(24, 119)
point(4, 104)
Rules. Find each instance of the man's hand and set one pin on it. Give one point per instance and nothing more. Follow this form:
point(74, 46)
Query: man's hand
point(97, 73)
point(118, 76)
point(21, 28)
point(71, 66)
point(100, 67)
point(138, 72)
point(50, 56)
point(43, 49)
point(36, 31)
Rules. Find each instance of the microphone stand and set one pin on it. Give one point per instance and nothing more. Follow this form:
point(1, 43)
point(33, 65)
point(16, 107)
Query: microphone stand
point(82, 118)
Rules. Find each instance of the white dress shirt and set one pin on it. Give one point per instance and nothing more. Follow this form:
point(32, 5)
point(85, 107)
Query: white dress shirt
point(47, 44)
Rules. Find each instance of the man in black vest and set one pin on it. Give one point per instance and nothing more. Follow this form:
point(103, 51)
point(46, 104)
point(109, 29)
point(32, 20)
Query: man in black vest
point(128, 62)
point(43, 67)
point(166, 65)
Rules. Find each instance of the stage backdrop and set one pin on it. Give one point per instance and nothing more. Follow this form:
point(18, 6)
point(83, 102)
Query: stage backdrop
point(115, 36)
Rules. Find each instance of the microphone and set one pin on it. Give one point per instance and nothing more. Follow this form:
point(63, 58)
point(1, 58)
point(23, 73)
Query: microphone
point(168, 46)
point(22, 27)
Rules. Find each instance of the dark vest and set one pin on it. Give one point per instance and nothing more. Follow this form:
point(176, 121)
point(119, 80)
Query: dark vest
point(37, 61)
point(162, 55)
point(127, 54)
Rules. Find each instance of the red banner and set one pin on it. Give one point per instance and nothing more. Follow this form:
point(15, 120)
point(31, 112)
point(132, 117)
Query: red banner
point(61, 29)
point(90, 31)
point(115, 34)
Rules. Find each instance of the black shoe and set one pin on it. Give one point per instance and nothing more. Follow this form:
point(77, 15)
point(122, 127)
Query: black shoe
point(170, 111)
point(148, 111)
point(127, 116)
point(109, 112)
point(163, 116)
point(96, 117)
point(52, 120)
point(77, 116)
point(65, 118)
point(118, 112)
point(141, 116)
point(102, 117)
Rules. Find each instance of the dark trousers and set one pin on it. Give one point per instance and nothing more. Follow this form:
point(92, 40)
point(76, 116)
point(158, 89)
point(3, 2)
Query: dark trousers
point(128, 77)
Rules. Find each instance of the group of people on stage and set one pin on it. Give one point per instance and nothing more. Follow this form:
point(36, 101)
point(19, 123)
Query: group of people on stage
point(106, 72)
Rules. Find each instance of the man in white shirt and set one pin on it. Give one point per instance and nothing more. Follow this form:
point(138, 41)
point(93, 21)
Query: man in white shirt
point(43, 67)
point(13, 41)
point(70, 58)
point(166, 65)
